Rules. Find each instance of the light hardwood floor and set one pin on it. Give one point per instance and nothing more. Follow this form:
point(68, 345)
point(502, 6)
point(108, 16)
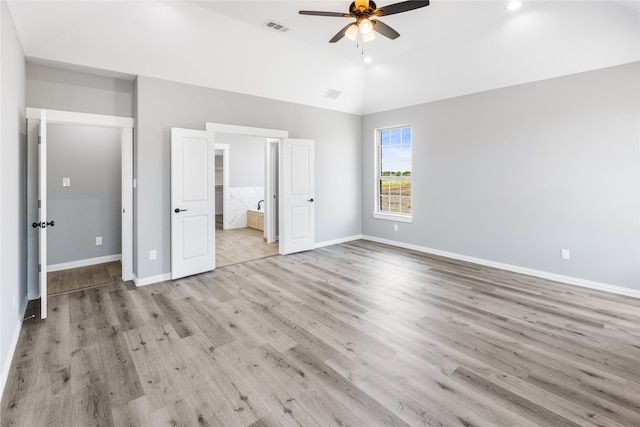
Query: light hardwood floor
point(241, 245)
point(83, 277)
point(356, 334)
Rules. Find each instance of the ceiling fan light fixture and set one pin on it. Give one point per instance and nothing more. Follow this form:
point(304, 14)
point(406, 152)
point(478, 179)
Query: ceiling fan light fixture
point(365, 26)
point(368, 37)
point(352, 32)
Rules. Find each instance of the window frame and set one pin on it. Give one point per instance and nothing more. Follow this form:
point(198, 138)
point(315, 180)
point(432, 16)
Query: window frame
point(377, 213)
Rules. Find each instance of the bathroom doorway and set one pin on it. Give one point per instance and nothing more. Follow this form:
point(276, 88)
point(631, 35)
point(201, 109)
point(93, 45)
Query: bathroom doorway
point(240, 174)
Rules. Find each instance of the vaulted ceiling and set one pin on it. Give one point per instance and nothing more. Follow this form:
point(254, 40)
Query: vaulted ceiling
point(447, 49)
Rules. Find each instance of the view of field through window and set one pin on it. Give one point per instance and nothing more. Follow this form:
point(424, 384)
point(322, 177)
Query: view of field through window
point(394, 180)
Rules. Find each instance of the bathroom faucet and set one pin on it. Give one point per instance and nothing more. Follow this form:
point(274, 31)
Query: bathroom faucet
point(260, 204)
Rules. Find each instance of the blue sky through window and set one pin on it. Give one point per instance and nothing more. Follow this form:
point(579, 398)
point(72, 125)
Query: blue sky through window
point(396, 150)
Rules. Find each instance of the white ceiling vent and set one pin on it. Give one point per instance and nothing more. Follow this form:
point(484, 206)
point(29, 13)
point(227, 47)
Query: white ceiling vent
point(332, 93)
point(274, 25)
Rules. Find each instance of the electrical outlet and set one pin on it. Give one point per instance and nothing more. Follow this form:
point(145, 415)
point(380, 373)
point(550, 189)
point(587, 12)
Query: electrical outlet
point(153, 254)
point(565, 254)
point(395, 227)
point(99, 241)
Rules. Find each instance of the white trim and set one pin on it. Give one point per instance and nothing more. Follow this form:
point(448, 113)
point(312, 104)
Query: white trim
point(126, 245)
point(84, 263)
point(245, 130)
point(516, 269)
point(271, 151)
point(151, 279)
point(338, 241)
point(392, 217)
point(70, 117)
point(4, 376)
point(225, 183)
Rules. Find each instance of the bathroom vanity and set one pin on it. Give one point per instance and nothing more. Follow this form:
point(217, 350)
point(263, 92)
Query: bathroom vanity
point(255, 219)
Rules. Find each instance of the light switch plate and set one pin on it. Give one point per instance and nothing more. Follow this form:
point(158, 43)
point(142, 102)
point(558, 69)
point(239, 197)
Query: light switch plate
point(565, 254)
point(66, 182)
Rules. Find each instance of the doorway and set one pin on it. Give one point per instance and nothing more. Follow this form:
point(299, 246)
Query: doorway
point(241, 186)
point(193, 248)
point(84, 196)
point(38, 122)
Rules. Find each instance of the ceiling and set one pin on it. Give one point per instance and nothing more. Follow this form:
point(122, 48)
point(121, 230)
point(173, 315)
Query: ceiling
point(447, 49)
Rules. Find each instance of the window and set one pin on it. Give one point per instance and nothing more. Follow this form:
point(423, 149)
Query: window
point(393, 161)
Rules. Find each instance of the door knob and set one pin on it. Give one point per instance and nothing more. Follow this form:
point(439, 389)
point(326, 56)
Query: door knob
point(178, 210)
point(310, 200)
point(43, 224)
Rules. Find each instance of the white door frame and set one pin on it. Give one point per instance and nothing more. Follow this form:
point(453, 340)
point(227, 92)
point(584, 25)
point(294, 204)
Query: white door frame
point(225, 183)
point(271, 174)
point(125, 124)
point(273, 134)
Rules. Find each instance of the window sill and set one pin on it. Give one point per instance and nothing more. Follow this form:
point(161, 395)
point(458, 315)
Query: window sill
point(393, 217)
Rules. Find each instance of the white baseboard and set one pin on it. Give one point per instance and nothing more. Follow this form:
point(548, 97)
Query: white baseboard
point(517, 269)
point(84, 262)
point(151, 279)
point(337, 241)
point(12, 349)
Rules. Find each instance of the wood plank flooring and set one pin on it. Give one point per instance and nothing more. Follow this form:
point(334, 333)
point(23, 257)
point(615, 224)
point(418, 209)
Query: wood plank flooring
point(356, 334)
point(241, 245)
point(83, 277)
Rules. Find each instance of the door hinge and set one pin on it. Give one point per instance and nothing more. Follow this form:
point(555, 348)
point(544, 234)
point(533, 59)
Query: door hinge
point(39, 139)
point(39, 268)
point(39, 204)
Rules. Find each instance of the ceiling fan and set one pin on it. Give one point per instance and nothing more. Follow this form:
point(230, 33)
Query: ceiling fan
point(363, 11)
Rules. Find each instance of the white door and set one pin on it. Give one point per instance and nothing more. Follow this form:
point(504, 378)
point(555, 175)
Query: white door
point(42, 213)
point(192, 202)
point(297, 207)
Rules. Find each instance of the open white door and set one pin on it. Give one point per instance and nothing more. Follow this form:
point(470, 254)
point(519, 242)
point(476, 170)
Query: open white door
point(192, 202)
point(297, 208)
point(42, 213)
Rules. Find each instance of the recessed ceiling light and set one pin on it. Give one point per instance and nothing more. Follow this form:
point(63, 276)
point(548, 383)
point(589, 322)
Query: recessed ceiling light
point(513, 5)
point(367, 60)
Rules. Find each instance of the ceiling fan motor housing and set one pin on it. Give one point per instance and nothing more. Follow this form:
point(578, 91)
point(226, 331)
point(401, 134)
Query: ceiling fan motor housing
point(361, 8)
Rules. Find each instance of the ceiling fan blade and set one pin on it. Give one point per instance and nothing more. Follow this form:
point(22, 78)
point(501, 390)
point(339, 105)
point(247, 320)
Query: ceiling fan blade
point(384, 29)
point(340, 34)
point(318, 13)
point(403, 6)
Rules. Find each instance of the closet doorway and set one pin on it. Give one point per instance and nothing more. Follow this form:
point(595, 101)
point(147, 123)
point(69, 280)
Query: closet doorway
point(84, 195)
point(40, 125)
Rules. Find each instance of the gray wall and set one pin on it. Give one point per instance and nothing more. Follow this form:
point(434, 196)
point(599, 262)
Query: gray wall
point(13, 227)
point(246, 159)
point(90, 207)
point(514, 175)
point(57, 89)
point(162, 104)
